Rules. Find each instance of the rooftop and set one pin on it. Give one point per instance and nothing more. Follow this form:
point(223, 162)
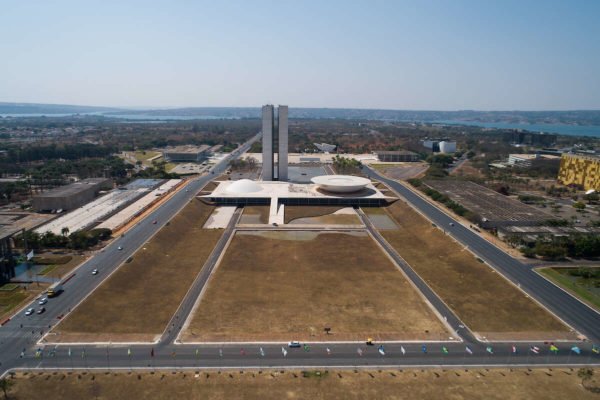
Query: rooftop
point(187, 149)
point(73, 188)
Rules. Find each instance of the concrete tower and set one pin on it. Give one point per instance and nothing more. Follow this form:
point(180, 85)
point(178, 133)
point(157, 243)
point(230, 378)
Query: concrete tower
point(270, 142)
point(282, 156)
point(267, 142)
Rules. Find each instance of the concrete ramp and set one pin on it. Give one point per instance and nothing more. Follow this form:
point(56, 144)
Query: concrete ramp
point(276, 212)
point(220, 217)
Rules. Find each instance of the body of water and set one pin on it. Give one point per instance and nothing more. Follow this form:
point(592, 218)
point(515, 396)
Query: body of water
point(561, 129)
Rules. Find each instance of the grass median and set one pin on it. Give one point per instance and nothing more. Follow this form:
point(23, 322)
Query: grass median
point(290, 285)
point(484, 300)
point(460, 384)
point(139, 299)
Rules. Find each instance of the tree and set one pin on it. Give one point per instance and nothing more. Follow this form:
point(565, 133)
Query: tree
point(65, 231)
point(5, 385)
point(579, 206)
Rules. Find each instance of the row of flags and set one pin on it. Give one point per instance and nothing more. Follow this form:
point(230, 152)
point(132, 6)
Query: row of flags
point(489, 349)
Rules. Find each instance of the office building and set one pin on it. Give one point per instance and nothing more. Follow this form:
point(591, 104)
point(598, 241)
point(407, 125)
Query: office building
point(71, 196)
point(273, 169)
point(397, 156)
point(187, 153)
point(580, 170)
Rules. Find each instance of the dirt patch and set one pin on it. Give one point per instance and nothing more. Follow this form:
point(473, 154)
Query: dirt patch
point(343, 216)
point(291, 285)
point(255, 215)
point(485, 301)
point(141, 296)
point(402, 171)
point(295, 212)
point(492, 384)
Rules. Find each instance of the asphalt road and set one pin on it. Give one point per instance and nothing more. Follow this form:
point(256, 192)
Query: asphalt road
point(168, 354)
point(22, 332)
point(583, 318)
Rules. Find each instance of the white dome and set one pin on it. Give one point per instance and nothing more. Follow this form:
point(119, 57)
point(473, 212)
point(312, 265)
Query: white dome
point(243, 186)
point(340, 183)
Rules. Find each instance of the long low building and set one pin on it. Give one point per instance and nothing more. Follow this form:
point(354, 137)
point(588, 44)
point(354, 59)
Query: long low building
point(99, 209)
point(71, 196)
point(397, 156)
point(133, 210)
point(325, 190)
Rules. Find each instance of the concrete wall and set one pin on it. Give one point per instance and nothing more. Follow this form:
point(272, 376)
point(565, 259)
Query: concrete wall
point(267, 143)
point(282, 156)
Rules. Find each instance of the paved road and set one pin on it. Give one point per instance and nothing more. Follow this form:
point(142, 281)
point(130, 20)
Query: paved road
point(168, 354)
point(22, 332)
point(568, 308)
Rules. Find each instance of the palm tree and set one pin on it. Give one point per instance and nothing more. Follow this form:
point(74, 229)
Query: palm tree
point(5, 385)
point(64, 231)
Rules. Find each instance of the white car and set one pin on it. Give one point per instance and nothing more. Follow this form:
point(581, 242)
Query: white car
point(29, 311)
point(120, 248)
point(95, 271)
point(294, 343)
point(43, 301)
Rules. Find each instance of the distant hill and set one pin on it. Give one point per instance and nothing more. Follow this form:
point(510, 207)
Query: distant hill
point(582, 117)
point(33, 108)
point(575, 117)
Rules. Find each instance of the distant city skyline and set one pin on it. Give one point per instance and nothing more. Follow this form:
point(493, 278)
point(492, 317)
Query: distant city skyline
point(404, 55)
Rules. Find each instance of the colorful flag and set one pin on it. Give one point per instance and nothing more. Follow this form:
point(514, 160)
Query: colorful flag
point(489, 350)
point(444, 350)
point(424, 349)
point(535, 349)
point(262, 352)
point(129, 352)
point(595, 349)
point(576, 350)
point(83, 353)
point(284, 352)
point(553, 348)
point(514, 349)
point(381, 350)
point(359, 351)
point(328, 350)
point(402, 350)
point(468, 350)
point(197, 352)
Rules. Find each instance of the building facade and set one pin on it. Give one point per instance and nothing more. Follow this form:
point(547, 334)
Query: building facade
point(71, 196)
point(273, 169)
point(397, 156)
point(580, 170)
point(186, 153)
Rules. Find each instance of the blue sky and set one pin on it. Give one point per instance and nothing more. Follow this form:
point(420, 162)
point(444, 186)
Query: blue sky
point(443, 55)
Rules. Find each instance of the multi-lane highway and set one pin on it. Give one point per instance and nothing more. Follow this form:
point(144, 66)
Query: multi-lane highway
point(583, 318)
point(22, 332)
point(19, 348)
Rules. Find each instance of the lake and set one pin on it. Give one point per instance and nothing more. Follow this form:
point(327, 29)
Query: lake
point(561, 129)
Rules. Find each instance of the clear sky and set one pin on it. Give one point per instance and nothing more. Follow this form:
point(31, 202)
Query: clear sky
point(442, 55)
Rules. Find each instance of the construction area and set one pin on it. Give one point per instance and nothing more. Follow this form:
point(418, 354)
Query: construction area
point(277, 285)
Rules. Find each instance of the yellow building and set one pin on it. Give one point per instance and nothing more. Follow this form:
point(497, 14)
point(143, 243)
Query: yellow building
point(576, 169)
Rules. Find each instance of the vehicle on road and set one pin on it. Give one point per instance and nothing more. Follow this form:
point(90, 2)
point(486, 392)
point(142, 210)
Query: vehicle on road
point(95, 271)
point(154, 222)
point(55, 291)
point(29, 311)
point(451, 224)
point(369, 342)
point(43, 301)
point(120, 248)
point(41, 310)
point(294, 343)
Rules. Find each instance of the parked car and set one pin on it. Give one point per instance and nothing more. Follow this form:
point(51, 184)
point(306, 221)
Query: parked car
point(29, 311)
point(43, 301)
point(294, 343)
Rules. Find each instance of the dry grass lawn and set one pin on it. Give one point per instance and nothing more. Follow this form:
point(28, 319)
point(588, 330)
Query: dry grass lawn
point(295, 212)
point(278, 286)
point(493, 384)
point(485, 301)
point(255, 215)
point(139, 299)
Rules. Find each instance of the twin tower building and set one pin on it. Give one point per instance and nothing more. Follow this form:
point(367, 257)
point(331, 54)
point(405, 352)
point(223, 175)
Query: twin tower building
point(274, 141)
